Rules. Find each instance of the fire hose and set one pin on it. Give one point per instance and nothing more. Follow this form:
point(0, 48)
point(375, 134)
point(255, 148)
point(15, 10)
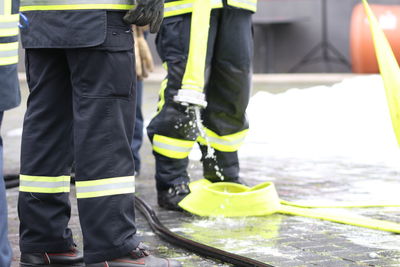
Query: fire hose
point(188, 244)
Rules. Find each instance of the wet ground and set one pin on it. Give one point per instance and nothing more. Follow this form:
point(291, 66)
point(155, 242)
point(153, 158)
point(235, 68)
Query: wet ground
point(279, 240)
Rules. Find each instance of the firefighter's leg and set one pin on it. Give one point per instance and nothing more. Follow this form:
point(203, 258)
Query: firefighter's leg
point(172, 130)
point(172, 134)
point(46, 154)
point(228, 94)
point(104, 82)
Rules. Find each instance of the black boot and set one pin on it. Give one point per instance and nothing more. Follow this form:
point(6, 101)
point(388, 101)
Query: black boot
point(170, 198)
point(72, 258)
point(172, 181)
point(139, 257)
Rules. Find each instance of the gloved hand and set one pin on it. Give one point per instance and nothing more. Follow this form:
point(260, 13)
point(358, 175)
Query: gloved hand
point(144, 59)
point(146, 12)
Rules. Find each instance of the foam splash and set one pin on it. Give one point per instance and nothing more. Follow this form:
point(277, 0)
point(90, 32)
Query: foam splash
point(349, 120)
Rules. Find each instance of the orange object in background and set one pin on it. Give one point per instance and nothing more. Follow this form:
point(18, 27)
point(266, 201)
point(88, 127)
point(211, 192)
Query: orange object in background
point(362, 50)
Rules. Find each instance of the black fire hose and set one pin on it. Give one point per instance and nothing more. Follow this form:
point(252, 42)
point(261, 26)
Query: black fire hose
point(191, 245)
point(12, 181)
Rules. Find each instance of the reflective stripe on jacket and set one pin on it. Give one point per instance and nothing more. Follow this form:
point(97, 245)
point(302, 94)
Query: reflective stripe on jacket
point(8, 33)
point(9, 87)
point(35, 5)
point(179, 7)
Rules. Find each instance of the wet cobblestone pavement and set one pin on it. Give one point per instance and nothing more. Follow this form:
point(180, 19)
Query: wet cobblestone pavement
point(279, 240)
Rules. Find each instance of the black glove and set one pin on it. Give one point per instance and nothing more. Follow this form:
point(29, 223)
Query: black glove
point(146, 12)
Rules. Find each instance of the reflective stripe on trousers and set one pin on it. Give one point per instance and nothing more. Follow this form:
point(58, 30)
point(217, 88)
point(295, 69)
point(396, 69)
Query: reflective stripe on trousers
point(179, 149)
point(44, 184)
point(172, 147)
point(105, 187)
point(225, 143)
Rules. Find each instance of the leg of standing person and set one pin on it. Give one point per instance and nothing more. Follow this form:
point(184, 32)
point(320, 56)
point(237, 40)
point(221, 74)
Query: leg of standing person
point(169, 129)
point(173, 130)
point(46, 156)
point(5, 249)
point(228, 95)
point(103, 116)
point(98, 115)
point(91, 111)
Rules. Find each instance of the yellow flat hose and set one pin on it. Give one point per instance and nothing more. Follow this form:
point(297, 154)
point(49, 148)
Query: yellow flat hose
point(388, 67)
point(342, 218)
point(381, 204)
point(235, 200)
point(193, 78)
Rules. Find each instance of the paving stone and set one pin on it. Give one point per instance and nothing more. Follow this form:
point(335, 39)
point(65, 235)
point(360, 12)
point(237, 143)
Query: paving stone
point(379, 262)
point(288, 264)
point(335, 263)
point(328, 249)
point(315, 259)
point(306, 244)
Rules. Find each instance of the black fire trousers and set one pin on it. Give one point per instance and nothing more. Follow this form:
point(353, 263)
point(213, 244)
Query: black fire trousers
point(227, 89)
point(81, 109)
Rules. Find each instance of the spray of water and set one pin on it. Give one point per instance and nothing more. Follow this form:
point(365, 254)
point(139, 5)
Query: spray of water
point(210, 151)
point(200, 127)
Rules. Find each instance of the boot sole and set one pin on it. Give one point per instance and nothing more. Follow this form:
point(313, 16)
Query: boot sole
point(50, 265)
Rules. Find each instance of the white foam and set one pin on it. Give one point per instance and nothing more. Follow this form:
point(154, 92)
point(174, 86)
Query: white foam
point(349, 120)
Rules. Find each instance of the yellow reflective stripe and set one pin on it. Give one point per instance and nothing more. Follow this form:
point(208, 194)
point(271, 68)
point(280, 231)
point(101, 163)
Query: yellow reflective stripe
point(105, 187)
point(9, 18)
point(161, 94)
point(44, 184)
point(178, 8)
point(105, 181)
point(245, 4)
point(6, 8)
point(172, 147)
point(106, 193)
point(53, 190)
point(193, 87)
point(173, 141)
point(9, 25)
point(9, 32)
point(170, 153)
point(45, 178)
point(8, 53)
point(161, 101)
point(8, 60)
point(225, 143)
point(185, 6)
point(77, 7)
point(8, 46)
